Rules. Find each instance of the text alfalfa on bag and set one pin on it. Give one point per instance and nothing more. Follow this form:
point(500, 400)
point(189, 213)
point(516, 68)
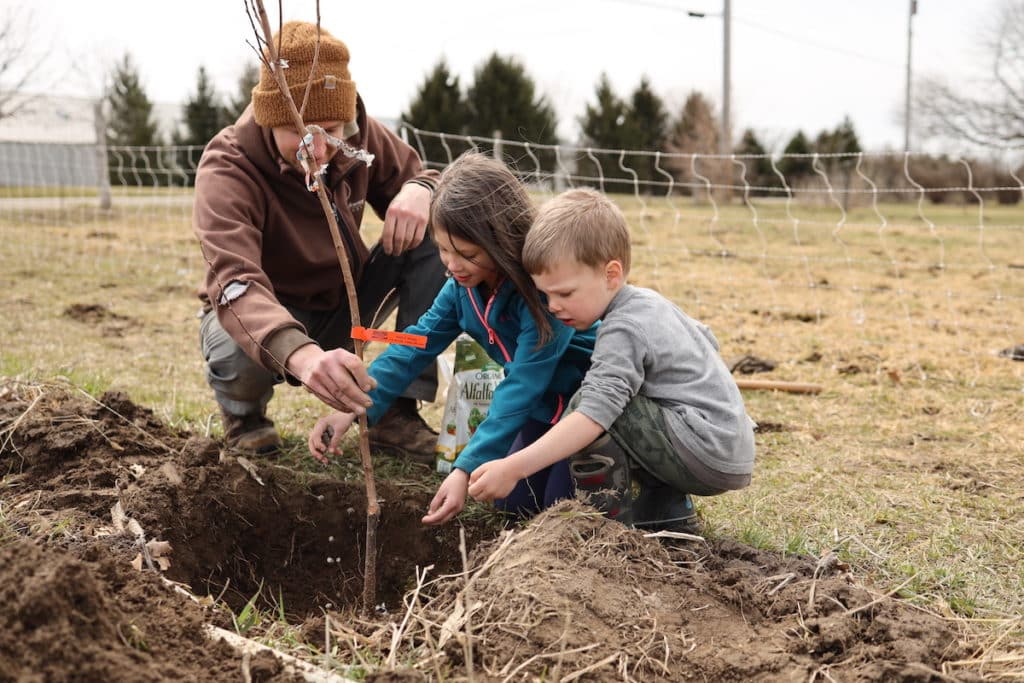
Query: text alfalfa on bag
point(474, 380)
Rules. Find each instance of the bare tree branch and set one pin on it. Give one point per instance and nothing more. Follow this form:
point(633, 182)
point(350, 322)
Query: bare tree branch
point(992, 113)
point(312, 69)
point(18, 66)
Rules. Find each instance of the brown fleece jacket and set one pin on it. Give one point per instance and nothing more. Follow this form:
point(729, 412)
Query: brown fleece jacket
point(260, 227)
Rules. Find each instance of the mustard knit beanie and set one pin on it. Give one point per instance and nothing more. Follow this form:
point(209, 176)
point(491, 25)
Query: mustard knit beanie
point(333, 94)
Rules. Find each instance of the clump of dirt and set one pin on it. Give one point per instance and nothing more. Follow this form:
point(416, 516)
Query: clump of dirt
point(92, 313)
point(771, 427)
point(749, 365)
point(82, 614)
point(568, 595)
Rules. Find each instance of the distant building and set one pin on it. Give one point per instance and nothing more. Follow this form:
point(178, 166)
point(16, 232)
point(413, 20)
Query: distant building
point(52, 142)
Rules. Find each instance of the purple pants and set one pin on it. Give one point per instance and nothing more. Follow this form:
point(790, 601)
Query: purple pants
point(542, 489)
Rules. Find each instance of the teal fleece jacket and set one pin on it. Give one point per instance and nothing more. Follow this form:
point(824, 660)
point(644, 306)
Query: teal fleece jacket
point(538, 381)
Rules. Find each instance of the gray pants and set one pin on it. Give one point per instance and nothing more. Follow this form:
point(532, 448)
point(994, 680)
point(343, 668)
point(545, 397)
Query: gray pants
point(243, 387)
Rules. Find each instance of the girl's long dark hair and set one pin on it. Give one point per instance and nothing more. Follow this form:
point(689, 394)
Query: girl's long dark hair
point(479, 200)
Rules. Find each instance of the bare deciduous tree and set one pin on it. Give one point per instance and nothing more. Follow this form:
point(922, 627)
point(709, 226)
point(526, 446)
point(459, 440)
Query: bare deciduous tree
point(696, 133)
point(991, 114)
point(20, 64)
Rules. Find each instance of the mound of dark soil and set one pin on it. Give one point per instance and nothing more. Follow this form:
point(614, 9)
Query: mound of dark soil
point(570, 595)
point(84, 614)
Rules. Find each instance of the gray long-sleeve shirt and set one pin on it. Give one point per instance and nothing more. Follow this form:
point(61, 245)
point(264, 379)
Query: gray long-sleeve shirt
point(646, 345)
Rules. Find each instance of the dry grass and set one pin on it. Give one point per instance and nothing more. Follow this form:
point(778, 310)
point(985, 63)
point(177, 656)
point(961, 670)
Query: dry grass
point(908, 464)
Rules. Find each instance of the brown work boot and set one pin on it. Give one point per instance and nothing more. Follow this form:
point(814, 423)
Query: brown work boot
point(253, 434)
point(401, 430)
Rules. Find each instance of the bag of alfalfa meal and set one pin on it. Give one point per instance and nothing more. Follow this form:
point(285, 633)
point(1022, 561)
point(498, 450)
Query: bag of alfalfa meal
point(474, 379)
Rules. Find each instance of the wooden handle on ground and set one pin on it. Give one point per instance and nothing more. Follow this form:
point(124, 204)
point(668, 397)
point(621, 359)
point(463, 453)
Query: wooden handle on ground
point(778, 385)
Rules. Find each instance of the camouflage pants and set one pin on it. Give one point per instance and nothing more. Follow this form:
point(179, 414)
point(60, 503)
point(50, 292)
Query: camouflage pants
point(642, 433)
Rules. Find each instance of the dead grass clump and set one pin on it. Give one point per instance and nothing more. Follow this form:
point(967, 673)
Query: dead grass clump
point(568, 594)
point(573, 595)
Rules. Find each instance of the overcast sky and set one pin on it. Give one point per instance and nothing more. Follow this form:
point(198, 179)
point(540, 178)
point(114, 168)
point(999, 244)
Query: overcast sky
point(795, 63)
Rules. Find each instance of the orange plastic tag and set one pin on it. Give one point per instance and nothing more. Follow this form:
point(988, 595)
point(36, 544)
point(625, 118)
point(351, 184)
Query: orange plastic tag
point(388, 337)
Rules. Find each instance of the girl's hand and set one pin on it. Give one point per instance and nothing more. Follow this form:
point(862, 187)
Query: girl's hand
point(493, 479)
point(449, 499)
point(327, 433)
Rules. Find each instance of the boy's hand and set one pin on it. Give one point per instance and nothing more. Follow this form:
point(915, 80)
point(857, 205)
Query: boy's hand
point(494, 479)
point(327, 433)
point(449, 499)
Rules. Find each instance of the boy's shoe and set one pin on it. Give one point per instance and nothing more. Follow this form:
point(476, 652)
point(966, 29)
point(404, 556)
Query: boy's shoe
point(659, 507)
point(601, 472)
point(253, 434)
point(402, 430)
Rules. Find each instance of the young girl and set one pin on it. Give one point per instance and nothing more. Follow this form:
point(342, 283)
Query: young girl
point(479, 217)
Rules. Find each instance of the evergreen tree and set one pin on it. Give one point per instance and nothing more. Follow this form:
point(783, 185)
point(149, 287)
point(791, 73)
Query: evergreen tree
point(130, 119)
point(842, 141)
point(248, 80)
point(202, 114)
point(203, 120)
point(796, 168)
point(603, 125)
point(503, 98)
point(647, 130)
point(759, 171)
point(130, 122)
point(439, 106)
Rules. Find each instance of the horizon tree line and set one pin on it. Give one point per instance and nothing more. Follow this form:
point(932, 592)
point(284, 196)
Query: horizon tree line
point(503, 99)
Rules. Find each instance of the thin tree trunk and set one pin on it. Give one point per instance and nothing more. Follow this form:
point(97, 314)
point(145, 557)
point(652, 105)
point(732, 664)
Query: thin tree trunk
point(372, 508)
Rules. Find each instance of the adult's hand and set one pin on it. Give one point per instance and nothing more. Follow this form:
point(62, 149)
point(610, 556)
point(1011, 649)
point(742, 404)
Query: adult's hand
point(338, 377)
point(405, 223)
point(449, 499)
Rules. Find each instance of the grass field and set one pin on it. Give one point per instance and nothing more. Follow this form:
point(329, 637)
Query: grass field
point(908, 464)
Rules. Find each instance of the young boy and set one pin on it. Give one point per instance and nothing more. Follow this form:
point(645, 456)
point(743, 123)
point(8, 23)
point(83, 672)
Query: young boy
point(658, 416)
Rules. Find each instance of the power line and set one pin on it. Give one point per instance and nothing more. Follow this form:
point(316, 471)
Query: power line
point(653, 4)
point(822, 46)
point(663, 6)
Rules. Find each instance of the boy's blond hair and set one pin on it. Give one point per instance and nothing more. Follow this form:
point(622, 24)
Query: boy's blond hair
point(581, 224)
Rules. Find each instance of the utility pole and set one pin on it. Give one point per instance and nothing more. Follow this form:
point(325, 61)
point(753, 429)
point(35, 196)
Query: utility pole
point(725, 141)
point(906, 112)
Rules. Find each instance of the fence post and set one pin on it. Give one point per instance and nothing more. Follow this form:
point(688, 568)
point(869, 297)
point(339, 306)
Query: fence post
point(498, 152)
point(102, 163)
point(562, 172)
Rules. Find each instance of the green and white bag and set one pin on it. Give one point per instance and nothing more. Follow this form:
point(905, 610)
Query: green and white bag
point(474, 378)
